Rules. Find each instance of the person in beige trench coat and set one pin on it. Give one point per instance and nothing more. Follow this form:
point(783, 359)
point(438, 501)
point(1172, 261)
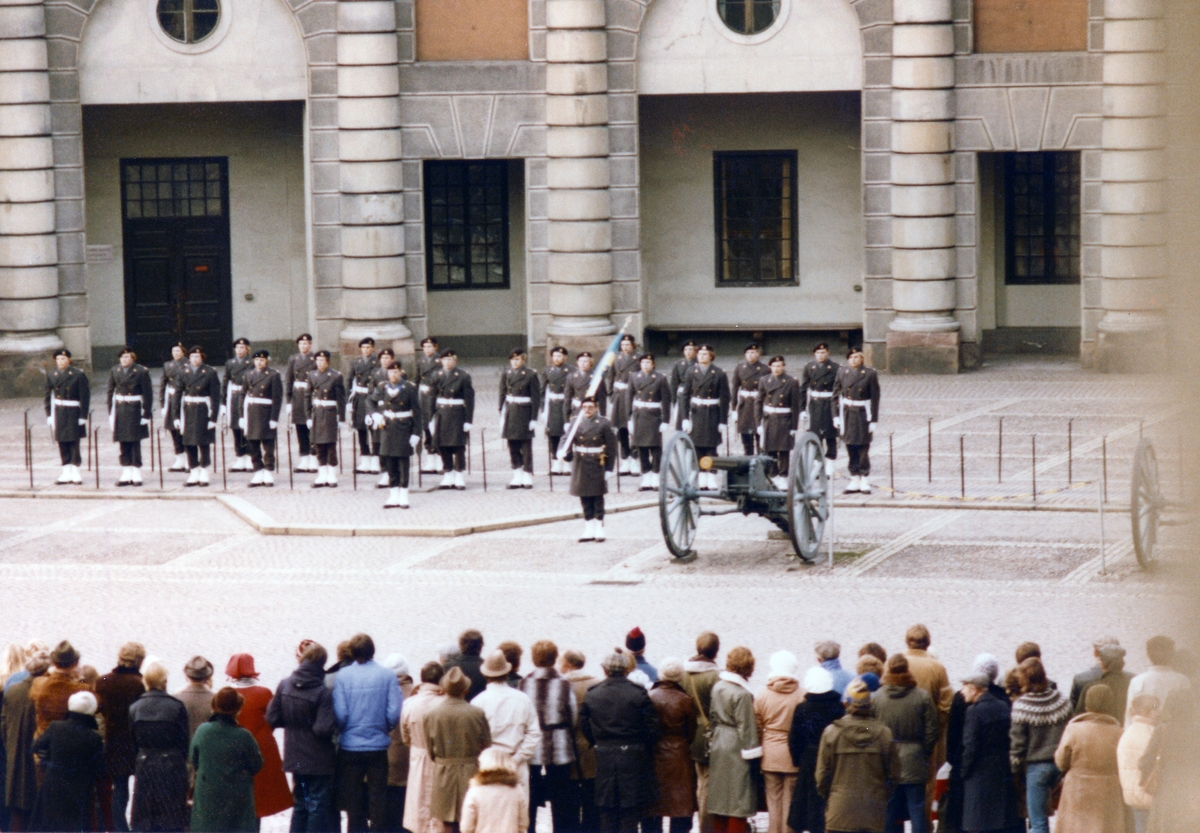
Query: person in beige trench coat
point(427, 696)
point(455, 733)
point(774, 708)
point(1087, 756)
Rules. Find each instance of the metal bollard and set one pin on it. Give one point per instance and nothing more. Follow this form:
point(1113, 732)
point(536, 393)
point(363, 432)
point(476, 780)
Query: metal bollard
point(483, 454)
point(354, 460)
point(96, 445)
point(962, 469)
point(1033, 468)
point(929, 454)
point(291, 468)
point(160, 465)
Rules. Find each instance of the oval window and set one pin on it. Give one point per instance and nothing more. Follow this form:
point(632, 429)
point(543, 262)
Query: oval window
point(188, 21)
point(748, 17)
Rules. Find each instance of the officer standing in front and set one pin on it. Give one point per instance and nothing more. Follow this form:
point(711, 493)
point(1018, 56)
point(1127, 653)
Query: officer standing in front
point(171, 371)
point(705, 401)
point(324, 403)
point(68, 398)
point(520, 400)
point(593, 453)
point(679, 372)
point(856, 393)
point(395, 412)
point(778, 409)
point(746, 377)
point(554, 383)
point(624, 364)
point(196, 414)
point(361, 380)
point(649, 405)
point(130, 400)
point(295, 389)
point(232, 391)
point(816, 389)
point(261, 405)
point(451, 424)
point(429, 364)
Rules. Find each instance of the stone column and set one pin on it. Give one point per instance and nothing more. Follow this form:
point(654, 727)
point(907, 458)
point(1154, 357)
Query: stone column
point(370, 177)
point(924, 335)
point(28, 247)
point(577, 173)
point(1132, 200)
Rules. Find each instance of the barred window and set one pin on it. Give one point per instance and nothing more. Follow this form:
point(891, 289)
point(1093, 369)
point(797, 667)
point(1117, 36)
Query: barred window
point(173, 188)
point(1042, 193)
point(755, 207)
point(466, 225)
point(748, 17)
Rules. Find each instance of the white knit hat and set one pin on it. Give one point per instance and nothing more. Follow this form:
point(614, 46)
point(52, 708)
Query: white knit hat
point(818, 681)
point(783, 664)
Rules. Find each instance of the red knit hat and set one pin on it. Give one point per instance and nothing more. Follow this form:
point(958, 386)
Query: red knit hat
point(240, 665)
point(635, 640)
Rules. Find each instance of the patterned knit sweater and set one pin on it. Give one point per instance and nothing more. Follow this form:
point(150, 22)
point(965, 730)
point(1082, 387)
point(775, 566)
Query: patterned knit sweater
point(1038, 721)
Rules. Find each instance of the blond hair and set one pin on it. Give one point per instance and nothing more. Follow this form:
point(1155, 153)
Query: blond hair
point(154, 676)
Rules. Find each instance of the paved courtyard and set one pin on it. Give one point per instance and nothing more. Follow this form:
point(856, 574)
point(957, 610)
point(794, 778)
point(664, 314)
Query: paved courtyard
point(217, 573)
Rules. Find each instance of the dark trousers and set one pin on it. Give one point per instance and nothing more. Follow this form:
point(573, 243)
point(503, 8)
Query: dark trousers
point(326, 454)
point(241, 447)
point(654, 824)
point(69, 453)
point(395, 809)
point(650, 458)
point(312, 804)
point(593, 508)
point(177, 440)
point(303, 441)
point(199, 455)
point(589, 814)
point(520, 453)
point(120, 803)
point(397, 470)
point(131, 454)
point(368, 444)
point(907, 802)
point(860, 459)
point(618, 820)
point(831, 447)
point(748, 444)
point(554, 786)
point(262, 454)
point(781, 461)
point(552, 444)
point(454, 458)
point(623, 441)
point(353, 768)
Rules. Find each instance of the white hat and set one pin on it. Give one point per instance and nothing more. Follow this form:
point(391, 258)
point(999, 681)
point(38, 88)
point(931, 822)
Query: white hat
point(818, 681)
point(783, 664)
point(397, 664)
point(82, 702)
point(986, 664)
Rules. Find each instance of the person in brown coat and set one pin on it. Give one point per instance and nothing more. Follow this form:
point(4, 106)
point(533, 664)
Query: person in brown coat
point(774, 709)
point(116, 692)
point(584, 771)
point(930, 675)
point(856, 762)
point(19, 720)
point(701, 673)
point(1087, 756)
point(455, 733)
point(673, 768)
point(51, 691)
point(197, 694)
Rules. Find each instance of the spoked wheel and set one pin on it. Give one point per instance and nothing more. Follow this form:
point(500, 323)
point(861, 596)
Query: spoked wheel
point(678, 495)
point(1145, 503)
point(807, 497)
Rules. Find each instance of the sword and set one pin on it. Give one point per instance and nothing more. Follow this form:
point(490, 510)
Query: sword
point(606, 361)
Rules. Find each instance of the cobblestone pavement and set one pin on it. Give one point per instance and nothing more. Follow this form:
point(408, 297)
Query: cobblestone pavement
point(189, 575)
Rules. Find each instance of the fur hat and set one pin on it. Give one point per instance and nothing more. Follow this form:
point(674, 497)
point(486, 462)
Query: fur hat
point(671, 669)
point(783, 664)
point(496, 665)
point(635, 640)
point(818, 681)
point(64, 655)
point(82, 702)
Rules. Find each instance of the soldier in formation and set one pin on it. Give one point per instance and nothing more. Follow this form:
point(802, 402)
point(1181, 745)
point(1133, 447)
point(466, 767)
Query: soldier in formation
point(451, 424)
point(593, 454)
point(232, 391)
point(324, 404)
point(361, 379)
point(295, 389)
point(648, 402)
point(705, 401)
point(429, 364)
point(577, 387)
point(816, 389)
point(520, 400)
point(554, 384)
point(195, 416)
point(68, 400)
point(394, 411)
point(624, 364)
point(387, 360)
point(262, 403)
point(746, 377)
point(168, 390)
point(857, 394)
point(778, 408)
point(679, 372)
point(130, 404)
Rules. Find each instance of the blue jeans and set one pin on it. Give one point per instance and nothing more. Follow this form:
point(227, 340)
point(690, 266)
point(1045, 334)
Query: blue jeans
point(312, 804)
point(907, 802)
point(1040, 778)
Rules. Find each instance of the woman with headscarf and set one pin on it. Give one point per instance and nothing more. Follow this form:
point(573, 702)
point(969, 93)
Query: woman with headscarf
point(821, 706)
point(71, 753)
point(226, 758)
point(159, 725)
point(673, 769)
point(774, 708)
point(271, 793)
point(735, 749)
point(1087, 756)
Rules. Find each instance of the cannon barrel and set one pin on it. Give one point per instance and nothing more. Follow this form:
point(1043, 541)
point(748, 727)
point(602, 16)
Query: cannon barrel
point(741, 464)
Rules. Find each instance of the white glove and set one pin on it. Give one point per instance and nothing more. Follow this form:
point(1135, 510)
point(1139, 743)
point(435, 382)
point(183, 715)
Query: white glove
point(289, 411)
point(687, 425)
point(414, 440)
point(164, 414)
point(273, 424)
point(178, 425)
point(533, 425)
point(83, 422)
point(794, 432)
point(607, 474)
point(837, 423)
point(242, 424)
point(145, 422)
point(762, 432)
point(309, 424)
point(467, 427)
point(223, 416)
point(723, 428)
point(664, 428)
point(212, 426)
point(871, 427)
point(50, 422)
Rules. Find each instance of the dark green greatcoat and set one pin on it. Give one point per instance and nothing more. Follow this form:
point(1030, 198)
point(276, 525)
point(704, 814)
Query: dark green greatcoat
point(226, 758)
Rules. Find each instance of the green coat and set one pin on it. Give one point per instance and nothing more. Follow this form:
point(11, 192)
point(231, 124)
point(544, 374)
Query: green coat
point(733, 744)
point(226, 758)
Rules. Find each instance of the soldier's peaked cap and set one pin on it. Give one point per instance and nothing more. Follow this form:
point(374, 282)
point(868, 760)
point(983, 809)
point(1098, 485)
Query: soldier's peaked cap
point(821, 345)
point(628, 337)
point(852, 351)
point(560, 349)
point(778, 359)
point(689, 343)
point(645, 356)
point(751, 346)
point(587, 399)
point(707, 347)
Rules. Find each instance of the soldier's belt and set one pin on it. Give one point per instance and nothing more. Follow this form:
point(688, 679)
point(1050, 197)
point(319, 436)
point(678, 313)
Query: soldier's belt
point(66, 403)
point(358, 389)
point(397, 414)
point(620, 385)
point(747, 394)
point(517, 400)
point(259, 400)
point(303, 385)
point(196, 400)
point(705, 402)
point(587, 449)
point(126, 397)
point(234, 387)
point(553, 395)
point(638, 403)
point(325, 403)
point(449, 403)
point(772, 409)
point(423, 388)
point(856, 403)
point(820, 394)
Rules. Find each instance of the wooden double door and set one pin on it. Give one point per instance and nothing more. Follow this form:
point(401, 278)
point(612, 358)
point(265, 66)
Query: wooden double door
point(175, 216)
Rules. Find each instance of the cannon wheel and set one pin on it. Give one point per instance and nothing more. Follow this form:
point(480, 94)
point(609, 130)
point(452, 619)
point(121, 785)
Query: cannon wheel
point(807, 496)
point(678, 495)
point(1145, 503)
